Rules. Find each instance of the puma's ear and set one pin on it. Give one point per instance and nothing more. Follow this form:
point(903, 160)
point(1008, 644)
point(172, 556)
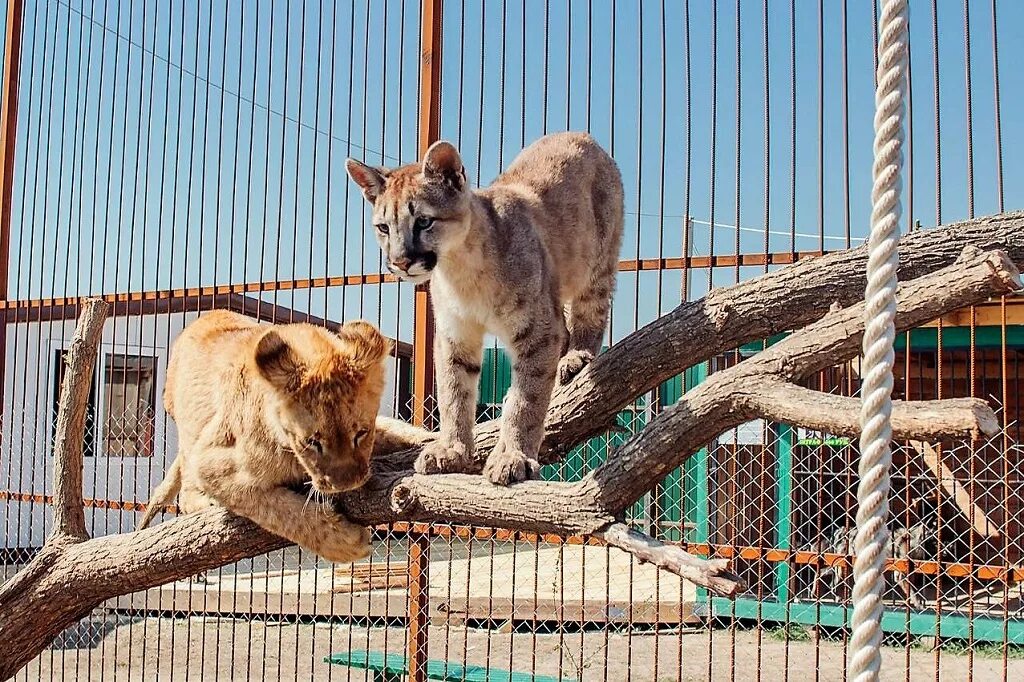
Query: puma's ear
point(276, 360)
point(370, 180)
point(368, 345)
point(442, 163)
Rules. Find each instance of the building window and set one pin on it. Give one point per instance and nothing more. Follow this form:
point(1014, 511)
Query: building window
point(89, 446)
point(129, 400)
point(128, 406)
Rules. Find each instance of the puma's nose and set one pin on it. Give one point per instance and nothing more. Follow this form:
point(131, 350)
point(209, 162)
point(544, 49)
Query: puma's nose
point(401, 263)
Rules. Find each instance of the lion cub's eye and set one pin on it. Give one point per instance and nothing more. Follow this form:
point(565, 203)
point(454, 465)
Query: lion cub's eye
point(360, 435)
point(382, 228)
point(314, 443)
point(424, 222)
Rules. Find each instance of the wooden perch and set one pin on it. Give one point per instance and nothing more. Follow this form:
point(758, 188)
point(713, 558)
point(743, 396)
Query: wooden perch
point(64, 583)
point(974, 514)
point(953, 418)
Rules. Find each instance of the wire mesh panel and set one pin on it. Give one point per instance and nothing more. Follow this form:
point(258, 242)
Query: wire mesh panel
point(182, 156)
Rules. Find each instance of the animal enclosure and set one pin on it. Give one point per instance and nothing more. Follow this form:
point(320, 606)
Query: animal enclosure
point(176, 157)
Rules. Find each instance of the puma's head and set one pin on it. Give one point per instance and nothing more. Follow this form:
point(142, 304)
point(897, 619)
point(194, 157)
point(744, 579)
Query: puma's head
point(323, 392)
point(420, 211)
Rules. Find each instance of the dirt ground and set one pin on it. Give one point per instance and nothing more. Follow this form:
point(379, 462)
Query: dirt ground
point(209, 649)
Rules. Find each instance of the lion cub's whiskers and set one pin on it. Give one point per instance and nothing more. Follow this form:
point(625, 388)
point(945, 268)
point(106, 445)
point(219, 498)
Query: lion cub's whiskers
point(309, 496)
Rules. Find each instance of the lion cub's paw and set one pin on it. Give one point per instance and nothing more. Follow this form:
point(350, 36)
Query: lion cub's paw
point(508, 465)
point(572, 363)
point(345, 543)
point(442, 457)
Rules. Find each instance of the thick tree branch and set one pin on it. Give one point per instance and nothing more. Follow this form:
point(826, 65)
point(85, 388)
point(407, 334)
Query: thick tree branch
point(974, 277)
point(67, 582)
point(69, 433)
point(956, 418)
point(64, 584)
point(729, 398)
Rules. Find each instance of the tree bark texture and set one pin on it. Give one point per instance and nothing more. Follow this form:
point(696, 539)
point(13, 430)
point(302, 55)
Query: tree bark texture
point(69, 432)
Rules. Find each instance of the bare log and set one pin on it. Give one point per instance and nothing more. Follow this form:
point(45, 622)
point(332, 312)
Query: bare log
point(69, 433)
point(724, 401)
point(93, 571)
point(953, 418)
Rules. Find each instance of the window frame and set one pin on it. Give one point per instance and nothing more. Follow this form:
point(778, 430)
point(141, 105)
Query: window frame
point(98, 397)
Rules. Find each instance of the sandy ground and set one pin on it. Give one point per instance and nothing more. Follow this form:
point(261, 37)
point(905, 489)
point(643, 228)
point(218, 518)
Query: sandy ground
point(208, 649)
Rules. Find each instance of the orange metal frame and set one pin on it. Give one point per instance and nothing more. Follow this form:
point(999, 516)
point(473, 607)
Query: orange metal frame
point(8, 136)
point(423, 339)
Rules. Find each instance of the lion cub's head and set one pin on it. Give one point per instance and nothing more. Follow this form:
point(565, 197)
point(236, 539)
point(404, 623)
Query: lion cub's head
point(323, 392)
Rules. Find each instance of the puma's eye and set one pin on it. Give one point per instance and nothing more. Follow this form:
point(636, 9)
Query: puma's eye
point(360, 435)
point(314, 444)
point(424, 222)
point(382, 228)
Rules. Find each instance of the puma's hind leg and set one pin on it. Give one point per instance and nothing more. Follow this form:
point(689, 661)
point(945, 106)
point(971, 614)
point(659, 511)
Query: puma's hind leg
point(586, 318)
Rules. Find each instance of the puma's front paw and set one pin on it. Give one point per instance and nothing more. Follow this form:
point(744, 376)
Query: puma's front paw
point(572, 363)
point(509, 465)
point(345, 543)
point(444, 457)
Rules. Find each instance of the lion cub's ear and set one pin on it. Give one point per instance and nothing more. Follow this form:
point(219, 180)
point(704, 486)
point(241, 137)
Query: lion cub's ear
point(276, 360)
point(368, 345)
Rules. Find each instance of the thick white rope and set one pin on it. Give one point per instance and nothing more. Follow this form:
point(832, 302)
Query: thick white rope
point(872, 542)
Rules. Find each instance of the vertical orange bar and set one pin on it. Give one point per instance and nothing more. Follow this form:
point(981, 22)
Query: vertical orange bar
point(423, 339)
point(8, 137)
point(423, 359)
point(419, 605)
point(429, 131)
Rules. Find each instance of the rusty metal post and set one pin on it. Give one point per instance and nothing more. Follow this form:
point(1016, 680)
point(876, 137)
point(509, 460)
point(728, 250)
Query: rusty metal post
point(419, 604)
point(423, 340)
point(8, 138)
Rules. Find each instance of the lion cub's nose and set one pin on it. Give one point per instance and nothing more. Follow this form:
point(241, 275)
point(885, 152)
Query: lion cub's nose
point(401, 263)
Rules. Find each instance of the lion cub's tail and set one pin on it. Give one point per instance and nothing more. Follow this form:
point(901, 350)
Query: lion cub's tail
point(164, 493)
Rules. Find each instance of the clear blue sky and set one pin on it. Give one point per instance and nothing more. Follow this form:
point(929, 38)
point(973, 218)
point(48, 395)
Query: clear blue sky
point(180, 143)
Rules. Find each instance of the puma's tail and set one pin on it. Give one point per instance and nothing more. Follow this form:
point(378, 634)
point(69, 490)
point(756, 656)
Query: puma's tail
point(164, 493)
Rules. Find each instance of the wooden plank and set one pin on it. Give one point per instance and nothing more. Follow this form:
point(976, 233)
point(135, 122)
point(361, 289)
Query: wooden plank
point(980, 628)
point(203, 599)
point(971, 511)
point(985, 315)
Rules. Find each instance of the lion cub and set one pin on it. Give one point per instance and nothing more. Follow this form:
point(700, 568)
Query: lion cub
point(531, 259)
point(263, 409)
